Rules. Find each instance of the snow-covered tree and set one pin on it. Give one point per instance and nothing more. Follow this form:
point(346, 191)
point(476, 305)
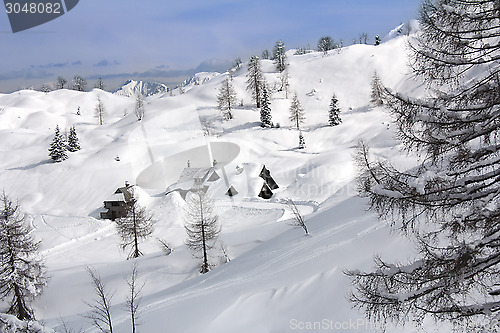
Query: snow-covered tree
point(265, 54)
point(237, 63)
point(334, 112)
point(279, 56)
point(226, 100)
point(297, 114)
point(45, 88)
point(99, 111)
point(136, 226)
point(377, 40)
point(22, 271)
point(376, 90)
point(100, 84)
point(73, 142)
point(449, 202)
point(325, 44)
point(139, 107)
point(79, 83)
point(60, 82)
point(265, 109)
point(57, 150)
point(302, 141)
point(202, 226)
point(255, 79)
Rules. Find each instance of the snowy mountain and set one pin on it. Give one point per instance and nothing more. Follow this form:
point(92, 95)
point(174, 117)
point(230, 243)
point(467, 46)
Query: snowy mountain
point(132, 88)
point(278, 279)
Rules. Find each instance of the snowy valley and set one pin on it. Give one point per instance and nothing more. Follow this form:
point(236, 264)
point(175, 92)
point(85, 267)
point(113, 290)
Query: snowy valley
point(278, 279)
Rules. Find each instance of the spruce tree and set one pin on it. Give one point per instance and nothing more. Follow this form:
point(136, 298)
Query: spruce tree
point(265, 109)
point(57, 150)
point(279, 56)
point(449, 201)
point(297, 115)
point(226, 100)
point(100, 84)
point(61, 82)
point(255, 79)
point(325, 44)
point(79, 83)
point(377, 40)
point(334, 112)
point(202, 228)
point(22, 272)
point(73, 142)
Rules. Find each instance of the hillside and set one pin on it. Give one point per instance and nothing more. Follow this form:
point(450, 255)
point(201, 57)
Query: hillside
point(279, 279)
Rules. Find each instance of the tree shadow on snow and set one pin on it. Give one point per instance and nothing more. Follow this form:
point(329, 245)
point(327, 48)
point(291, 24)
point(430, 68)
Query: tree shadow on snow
point(32, 166)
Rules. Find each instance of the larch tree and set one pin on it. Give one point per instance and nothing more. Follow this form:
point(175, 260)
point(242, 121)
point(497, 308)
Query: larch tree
point(226, 100)
point(279, 56)
point(202, 228)
point(99, 111)
point(297, 115)
point(265, 109)
point(136, 226)
point(57, 150)
point(334, 112)
point(449, 202)
point(73, 142)
point(22, 271)
point(255, 79)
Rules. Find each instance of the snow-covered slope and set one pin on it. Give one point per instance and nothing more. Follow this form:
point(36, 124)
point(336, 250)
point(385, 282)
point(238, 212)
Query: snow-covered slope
point(279, 280)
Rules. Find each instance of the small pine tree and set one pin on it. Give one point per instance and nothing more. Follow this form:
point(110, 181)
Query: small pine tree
point(73, 142)
point(302, 141)
point(226, 99)
point(78, 112)
point(279, 56)
point(377, 40)
point(325, 44)
point(99, 111)
point(57, 150)
point(376, 90)
point(334, 112)
point(100, 84)
point(296, 112)
point(22, 272)
point(255, 79)
point(265, 109)
point(201, 226)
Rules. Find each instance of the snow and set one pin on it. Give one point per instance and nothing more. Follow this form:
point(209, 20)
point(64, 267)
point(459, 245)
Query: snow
point(278, 278)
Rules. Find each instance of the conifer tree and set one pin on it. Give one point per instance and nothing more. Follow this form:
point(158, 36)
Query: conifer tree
point(73, 142)
point(202, 226)
point(137, 225)
point(377, 40)
point(226, 100)
point(139, 107)
point(334, 112)
point(57, 150)
point(99, 111)
point(22, 272)
point(325, 44)
point(79, 83)
point(265, 54)
point(61, 82)
point(100, 84)
point(448, 202)
point(297, 115)
point(255, 79)
point(279, 56)
point(265, 109)
point(376, 90)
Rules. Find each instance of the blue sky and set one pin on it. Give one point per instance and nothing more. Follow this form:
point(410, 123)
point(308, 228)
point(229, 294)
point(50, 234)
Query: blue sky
point(164, 40)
